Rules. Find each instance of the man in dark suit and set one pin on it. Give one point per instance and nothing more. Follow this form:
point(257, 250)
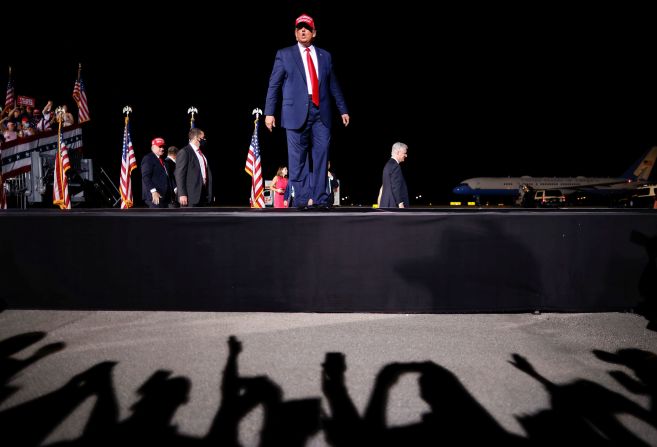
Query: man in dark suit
point(193, 174)
point(155, 186)
point(303, 75)
point(394, 193)
point(170, 163)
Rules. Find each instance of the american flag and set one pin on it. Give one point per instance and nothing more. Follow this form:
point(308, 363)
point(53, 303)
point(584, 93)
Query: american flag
point(128, 163)
point(80, 97)
point(254, 170)
point(60, 184)
point(9, 99)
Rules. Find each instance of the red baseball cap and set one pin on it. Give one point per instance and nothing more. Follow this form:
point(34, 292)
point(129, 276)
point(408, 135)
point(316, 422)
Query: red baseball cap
point(304, 18)
point(157, 142)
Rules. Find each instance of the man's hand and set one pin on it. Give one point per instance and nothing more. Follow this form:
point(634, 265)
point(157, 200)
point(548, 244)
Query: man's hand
point(156, 197)
point(345, 119)
point(270, 122)
point(182, 200)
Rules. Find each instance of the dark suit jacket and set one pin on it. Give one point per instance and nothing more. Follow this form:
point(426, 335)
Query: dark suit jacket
point(394, 186)
point(189, 178)
point(153, 175)
point(289, 76)
point(171, 169)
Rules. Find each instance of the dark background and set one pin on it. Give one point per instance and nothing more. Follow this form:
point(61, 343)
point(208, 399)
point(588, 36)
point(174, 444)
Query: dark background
point(473, 90)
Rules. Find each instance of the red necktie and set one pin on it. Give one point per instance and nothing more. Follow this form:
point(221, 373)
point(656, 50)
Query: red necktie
point(314, 82)
point(205, 166)
point(162, 163)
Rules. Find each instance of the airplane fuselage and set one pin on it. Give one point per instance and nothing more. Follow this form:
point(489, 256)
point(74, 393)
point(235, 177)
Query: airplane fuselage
point(510, 186)
point(634, 176)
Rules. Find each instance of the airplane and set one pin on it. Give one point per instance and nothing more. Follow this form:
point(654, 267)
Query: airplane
point(635, 176)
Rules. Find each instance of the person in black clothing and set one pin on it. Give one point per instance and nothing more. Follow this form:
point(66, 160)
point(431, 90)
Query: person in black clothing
point(170, 163)
point(155, 185)
point(394, 192)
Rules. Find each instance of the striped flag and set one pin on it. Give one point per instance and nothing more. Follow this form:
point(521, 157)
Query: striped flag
point(128, 163)
point(254, 170)
point(80, 97)
point(10, 98)
point(60, 183)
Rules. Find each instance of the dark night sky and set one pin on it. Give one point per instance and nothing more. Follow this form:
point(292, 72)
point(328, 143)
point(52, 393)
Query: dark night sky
point(473, 91)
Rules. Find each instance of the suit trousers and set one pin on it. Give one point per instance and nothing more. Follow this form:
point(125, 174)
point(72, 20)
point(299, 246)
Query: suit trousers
point(307, 152)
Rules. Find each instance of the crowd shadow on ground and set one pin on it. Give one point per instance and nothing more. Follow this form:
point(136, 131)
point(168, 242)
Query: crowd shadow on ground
point(582, 412)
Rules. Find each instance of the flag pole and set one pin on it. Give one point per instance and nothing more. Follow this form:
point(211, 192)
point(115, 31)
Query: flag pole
point(127, 110)
point(253, 166)
point(59, 114)
point(76, 91)
point(257, 113)
point(128, 163)
point(60, 184)
point(9, 83)
point(192, 110)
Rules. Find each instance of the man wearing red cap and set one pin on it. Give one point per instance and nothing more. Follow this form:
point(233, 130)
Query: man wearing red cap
point(155, 189)
point(303, 76)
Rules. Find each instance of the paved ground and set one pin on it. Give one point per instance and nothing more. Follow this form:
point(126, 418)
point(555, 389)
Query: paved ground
point(532, 378)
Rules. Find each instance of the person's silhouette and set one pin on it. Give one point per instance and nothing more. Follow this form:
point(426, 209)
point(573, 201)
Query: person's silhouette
point(584, 410)
point(644, 365)
point(284, 423)
point(455, 416)
point(10, 366)
point(33, 421)
point(344, 426)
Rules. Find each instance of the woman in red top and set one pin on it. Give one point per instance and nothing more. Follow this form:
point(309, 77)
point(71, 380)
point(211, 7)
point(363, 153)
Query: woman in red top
point(278, 185)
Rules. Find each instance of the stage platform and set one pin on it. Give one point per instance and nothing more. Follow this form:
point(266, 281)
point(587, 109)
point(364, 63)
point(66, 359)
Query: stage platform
point(342, 260)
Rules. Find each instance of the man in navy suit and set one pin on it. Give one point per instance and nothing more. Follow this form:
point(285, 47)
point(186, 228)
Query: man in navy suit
point(155, 185)
point(303, 74)
point(394, 193)
point(193, 174)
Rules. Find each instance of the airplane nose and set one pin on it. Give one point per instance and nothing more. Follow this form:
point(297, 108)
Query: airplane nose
point(462, 189)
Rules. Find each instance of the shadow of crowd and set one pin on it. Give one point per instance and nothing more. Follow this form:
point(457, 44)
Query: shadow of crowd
point(581, 413)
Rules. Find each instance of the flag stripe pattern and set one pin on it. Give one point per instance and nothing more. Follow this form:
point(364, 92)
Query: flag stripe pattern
point(60, 184)
point(16, 156)
point(10, 98)
point(254, 169)
point(128, 163)
point(80, 97)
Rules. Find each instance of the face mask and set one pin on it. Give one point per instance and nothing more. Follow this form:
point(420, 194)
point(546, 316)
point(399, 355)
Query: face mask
point(202, 142)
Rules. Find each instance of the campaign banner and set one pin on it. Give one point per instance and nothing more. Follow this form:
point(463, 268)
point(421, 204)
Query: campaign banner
point(26, 101)
point(16, 156)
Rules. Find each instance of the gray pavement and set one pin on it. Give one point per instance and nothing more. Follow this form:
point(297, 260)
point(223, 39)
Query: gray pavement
point(289, 350)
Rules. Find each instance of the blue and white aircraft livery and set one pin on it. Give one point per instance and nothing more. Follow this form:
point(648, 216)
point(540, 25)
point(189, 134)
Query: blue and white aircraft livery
point(635, 176)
